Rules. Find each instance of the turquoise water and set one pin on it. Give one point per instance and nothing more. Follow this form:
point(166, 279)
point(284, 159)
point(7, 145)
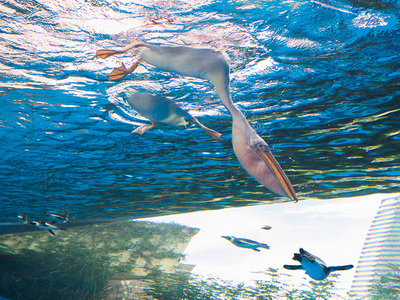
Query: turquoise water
point(318, 80)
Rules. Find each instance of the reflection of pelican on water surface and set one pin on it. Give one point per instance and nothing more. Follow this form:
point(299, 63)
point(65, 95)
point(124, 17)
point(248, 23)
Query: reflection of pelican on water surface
point(163, 110)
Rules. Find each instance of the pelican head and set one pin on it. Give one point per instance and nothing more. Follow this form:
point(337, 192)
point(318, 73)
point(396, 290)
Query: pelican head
point(255, 156)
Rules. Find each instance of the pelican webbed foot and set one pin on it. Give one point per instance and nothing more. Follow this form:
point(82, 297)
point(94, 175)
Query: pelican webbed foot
point(211, 133)
point(122, 71)
point(104, 53)
point(142, 129)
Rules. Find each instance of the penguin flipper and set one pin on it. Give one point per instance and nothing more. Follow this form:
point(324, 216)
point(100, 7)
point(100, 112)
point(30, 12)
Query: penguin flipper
point(51, 231)
point(293, 267)
point(340, 268)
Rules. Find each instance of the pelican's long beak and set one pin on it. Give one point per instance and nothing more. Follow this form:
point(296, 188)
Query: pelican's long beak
point(279, 174)
point(261, 164)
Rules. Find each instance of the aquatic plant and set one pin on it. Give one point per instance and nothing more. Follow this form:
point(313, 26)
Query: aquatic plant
point(388, 285)
point(184, 285)
point(81, 263)
point(31, 274)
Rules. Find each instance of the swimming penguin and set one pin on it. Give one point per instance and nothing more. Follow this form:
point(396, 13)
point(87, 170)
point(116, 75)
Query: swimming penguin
point(57, 217)
point(23, 219)
point(163, 110)
point(314, 266)
point(251, 150)
point(245, 243)
point(49, 226)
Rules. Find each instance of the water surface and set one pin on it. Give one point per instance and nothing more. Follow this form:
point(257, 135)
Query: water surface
point(318, 80)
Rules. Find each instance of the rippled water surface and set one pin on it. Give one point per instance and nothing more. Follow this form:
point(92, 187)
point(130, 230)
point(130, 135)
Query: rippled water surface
point(318, 80)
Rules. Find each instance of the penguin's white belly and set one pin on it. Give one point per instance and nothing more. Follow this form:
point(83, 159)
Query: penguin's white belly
point(313, 269)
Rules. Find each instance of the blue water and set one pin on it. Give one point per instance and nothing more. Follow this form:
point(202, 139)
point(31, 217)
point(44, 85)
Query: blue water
point(318, 80)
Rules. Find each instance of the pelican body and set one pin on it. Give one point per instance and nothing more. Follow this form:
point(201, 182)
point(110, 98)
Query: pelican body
point(159, 109)
point(246, 243)
point(251, 150)
point(193, 62)
point(314, 266)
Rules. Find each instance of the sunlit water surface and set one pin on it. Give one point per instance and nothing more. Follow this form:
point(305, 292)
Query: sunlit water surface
point(318, 80)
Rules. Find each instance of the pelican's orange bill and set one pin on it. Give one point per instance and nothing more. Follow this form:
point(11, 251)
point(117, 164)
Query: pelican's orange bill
point(280, 174)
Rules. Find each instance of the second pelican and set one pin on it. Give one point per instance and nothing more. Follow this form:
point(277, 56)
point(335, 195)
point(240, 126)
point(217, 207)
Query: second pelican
point(163, 110)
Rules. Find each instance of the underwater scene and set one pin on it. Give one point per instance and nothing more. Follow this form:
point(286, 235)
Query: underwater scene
point(199, 149)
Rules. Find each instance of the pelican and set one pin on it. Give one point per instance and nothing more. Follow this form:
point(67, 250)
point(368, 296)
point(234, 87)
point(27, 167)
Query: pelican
point(251, 150)
point(163, 110)
point(314, 266)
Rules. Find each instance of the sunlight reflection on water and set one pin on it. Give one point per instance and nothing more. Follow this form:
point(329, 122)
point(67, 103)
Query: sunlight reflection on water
point(317, 80)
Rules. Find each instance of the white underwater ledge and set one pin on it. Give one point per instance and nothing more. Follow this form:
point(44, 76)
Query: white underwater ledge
point(334, 230)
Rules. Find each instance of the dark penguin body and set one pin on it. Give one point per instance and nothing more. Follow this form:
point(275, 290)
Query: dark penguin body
point(314, 266)
point(246, 243)
point(57, 217)
point(49, 226)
